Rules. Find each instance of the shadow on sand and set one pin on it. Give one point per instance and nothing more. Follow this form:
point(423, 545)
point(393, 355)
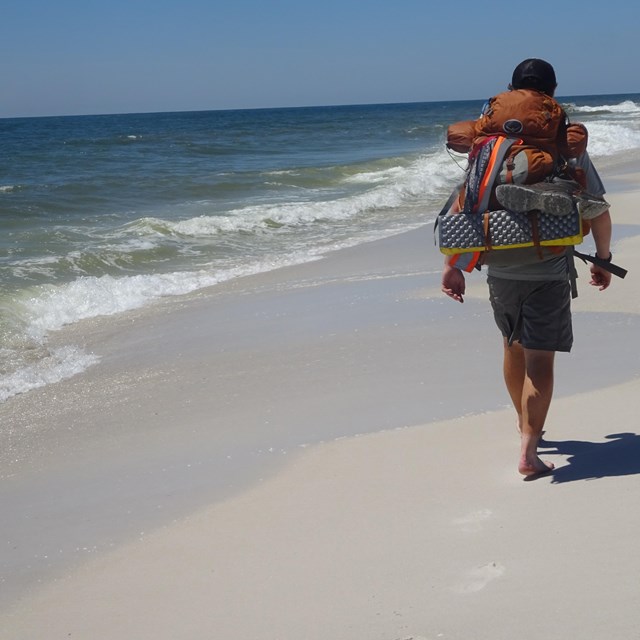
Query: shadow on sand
point(619, 456)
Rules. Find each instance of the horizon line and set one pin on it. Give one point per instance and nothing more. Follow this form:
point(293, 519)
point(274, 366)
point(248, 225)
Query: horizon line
point(316, 106)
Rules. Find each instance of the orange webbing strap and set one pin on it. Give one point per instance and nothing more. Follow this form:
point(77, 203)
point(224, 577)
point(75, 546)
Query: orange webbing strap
point(511, 165)
point(486, 231)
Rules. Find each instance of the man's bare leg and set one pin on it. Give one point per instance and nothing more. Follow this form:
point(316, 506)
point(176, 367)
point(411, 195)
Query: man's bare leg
point(528, 375)
point(514, 370)
point(537, 392)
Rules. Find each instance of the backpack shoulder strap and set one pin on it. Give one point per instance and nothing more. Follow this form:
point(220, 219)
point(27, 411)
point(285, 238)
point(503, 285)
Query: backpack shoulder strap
point(499, 152)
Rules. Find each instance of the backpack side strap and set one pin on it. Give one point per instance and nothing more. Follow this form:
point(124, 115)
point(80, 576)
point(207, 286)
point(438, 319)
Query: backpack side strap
point(447, 206)
point(603, 264)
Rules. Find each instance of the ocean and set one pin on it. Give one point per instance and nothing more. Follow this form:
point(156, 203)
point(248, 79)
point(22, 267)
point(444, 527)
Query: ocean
point(103, 214)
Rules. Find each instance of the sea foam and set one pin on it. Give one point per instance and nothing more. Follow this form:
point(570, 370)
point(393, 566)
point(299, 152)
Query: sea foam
point(60, 364)
point(381, 189)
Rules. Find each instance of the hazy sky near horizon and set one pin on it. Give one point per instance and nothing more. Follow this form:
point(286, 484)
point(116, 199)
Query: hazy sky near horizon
point(124, 56)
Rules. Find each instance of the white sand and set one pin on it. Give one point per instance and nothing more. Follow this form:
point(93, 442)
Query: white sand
point(422, 531)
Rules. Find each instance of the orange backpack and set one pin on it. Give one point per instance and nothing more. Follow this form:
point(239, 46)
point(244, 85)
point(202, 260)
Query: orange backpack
point(522, 137)
point(542, 138)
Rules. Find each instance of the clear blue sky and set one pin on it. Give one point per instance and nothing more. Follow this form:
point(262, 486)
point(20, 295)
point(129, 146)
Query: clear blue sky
point(122, 56)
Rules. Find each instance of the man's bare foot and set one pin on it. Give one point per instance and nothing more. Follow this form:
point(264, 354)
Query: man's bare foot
point(536, 468)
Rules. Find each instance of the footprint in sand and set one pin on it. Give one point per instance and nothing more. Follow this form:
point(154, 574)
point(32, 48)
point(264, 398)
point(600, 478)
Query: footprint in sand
point(473, 521)
point(480, 577)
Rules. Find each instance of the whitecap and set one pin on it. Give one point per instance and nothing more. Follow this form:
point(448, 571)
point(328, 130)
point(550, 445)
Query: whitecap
point(606, 138)
point(627, 106)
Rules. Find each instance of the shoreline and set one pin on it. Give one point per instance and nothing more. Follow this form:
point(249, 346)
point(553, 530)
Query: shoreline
point(283, 365)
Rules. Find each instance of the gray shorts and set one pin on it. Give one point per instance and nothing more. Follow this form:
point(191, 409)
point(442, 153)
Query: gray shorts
point(535, 314)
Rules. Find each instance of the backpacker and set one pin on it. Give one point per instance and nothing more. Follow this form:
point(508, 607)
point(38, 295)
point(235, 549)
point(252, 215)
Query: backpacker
point(523, 137)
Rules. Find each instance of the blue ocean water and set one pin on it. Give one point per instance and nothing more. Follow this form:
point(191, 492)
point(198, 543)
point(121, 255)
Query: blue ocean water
point(103, 214)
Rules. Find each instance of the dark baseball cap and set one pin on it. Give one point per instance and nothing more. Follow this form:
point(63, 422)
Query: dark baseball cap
point(534, 73)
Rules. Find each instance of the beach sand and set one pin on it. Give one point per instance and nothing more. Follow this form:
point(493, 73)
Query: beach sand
point(327, 452)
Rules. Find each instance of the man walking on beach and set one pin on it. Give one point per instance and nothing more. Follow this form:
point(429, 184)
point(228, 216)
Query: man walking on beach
point(532, 302)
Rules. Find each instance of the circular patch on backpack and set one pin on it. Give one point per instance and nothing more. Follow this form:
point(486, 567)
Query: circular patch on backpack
point(513, 126)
